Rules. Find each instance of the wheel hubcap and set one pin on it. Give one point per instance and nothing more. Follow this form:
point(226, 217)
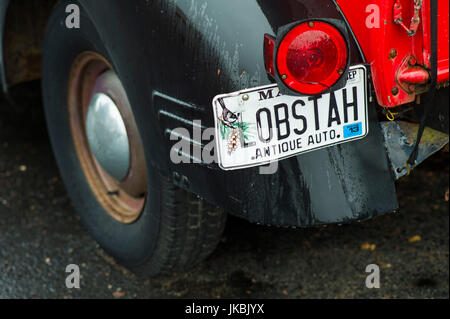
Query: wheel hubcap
point(106, 138)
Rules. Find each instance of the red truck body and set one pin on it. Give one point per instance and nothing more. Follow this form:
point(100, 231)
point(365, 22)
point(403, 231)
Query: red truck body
point(400, 61)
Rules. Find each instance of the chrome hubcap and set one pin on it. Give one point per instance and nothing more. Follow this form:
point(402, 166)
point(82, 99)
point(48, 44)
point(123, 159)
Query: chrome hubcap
point(107, 136)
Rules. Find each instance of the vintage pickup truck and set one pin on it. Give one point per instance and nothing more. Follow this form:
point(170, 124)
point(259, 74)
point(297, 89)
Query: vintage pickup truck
point(292, 113)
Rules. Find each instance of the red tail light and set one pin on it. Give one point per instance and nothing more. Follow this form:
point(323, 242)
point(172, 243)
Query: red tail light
point(311, 57)
point(269, 46)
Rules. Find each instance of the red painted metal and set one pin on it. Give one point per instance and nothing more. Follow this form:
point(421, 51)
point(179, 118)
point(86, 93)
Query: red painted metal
point(387, 45)
point(415, 75)
point(269, 46)
point(411, 76)
point(415, 20)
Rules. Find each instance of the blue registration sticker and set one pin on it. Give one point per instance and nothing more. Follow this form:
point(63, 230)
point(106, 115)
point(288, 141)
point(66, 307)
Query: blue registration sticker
point(353, 130)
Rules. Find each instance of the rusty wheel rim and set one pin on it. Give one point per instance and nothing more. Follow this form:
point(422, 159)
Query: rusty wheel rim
point(123, 199)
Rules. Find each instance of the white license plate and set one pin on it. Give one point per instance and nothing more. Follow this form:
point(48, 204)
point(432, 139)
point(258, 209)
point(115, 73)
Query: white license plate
point(259, 125)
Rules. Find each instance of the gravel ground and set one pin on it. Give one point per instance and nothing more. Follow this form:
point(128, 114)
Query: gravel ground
point(40, 234)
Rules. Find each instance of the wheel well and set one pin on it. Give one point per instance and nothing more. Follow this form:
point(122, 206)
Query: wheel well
point(24, 30)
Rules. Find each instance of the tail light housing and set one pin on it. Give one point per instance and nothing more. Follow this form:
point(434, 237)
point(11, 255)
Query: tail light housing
point(309, 57)
point(269, 47)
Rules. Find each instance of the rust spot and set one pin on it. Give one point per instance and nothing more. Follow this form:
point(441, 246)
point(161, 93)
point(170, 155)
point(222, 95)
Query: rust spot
point(393, 54)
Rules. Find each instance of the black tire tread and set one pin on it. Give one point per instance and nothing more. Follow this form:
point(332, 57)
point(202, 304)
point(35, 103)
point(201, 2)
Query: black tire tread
point(190, 230)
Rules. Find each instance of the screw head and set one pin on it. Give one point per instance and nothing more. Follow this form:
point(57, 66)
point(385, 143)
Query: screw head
point(311, 24)
point(395, 90)
point(284, 76)
point(393, 53)
point(340, 71)
point(245, 97)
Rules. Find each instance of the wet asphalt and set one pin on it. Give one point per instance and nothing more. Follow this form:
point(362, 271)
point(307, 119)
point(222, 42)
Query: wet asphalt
point(40, 234)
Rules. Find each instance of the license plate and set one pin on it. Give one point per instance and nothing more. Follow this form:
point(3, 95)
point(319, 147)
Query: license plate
point(258, 126)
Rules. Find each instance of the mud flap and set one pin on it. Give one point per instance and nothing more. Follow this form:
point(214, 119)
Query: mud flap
point(340, 184)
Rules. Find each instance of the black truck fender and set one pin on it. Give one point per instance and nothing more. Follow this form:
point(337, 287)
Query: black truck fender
point(175, 56)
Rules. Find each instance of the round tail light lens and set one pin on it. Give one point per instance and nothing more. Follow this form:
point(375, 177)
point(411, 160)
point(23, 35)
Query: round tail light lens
point(312, 57)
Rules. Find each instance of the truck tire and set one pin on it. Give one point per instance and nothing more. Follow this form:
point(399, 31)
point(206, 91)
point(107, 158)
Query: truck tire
point(136, 215)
